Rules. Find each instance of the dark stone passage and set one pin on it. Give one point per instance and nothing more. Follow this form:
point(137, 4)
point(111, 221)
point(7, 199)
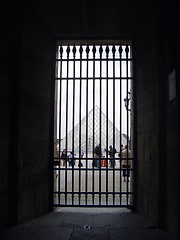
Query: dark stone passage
point(29, 34)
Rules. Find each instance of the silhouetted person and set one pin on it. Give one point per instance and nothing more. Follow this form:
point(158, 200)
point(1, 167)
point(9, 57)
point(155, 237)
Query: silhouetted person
point(125, 162)
point(71, 159)
point(64, 157)
point(97, 151)
point(112, 152)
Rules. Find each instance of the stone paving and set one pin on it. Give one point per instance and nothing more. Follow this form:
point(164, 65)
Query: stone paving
point(86, 224)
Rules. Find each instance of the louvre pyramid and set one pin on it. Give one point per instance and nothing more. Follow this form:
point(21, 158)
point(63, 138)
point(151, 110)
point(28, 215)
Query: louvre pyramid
point(86, 124)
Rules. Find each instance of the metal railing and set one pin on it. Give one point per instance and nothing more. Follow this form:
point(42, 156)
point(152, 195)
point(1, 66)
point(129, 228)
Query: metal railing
point(92, 84)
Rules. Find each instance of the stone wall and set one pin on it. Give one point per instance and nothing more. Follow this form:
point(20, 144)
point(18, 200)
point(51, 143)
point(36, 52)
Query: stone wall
point(35, 118)
point(168, 41)
point(147, 118)
point(10, 67)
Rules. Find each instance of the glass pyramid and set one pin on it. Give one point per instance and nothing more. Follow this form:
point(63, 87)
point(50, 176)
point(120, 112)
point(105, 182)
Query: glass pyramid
point(94, 129)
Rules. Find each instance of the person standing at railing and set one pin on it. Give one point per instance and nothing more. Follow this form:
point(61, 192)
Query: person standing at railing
point(97, 151)
point(82, 154)
point(126, 162)
point(112, 151)
point(64, 157)
point(71, 159)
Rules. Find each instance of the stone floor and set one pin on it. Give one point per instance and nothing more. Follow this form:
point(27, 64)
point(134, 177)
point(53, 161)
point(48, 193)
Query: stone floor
point(86, 224)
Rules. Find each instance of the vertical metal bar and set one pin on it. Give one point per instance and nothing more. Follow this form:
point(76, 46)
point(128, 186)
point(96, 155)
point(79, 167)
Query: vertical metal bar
point(56, 141)
point(60, 102)
point(73, 118)
point(100, 115)
point(80, 99)
point(131, 172)
point(134, 137)
point(67, 93)
point(107, 159)
point(120, 117)
point(127, 86)
point(94, 52)
point(87, 157)
point(113, 51)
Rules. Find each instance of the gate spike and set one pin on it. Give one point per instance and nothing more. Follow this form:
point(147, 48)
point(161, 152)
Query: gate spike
point(107, 50)
point(68, 50)
point(120, 50)
point(127, 49)
point(113, 50)
point(94, 50)
point(74, 50)
point(100, 50)
point(61, 50)
point(87, 50)
point(81, 50)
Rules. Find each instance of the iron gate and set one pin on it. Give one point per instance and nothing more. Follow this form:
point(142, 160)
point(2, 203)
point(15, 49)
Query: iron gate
point(93, 107)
